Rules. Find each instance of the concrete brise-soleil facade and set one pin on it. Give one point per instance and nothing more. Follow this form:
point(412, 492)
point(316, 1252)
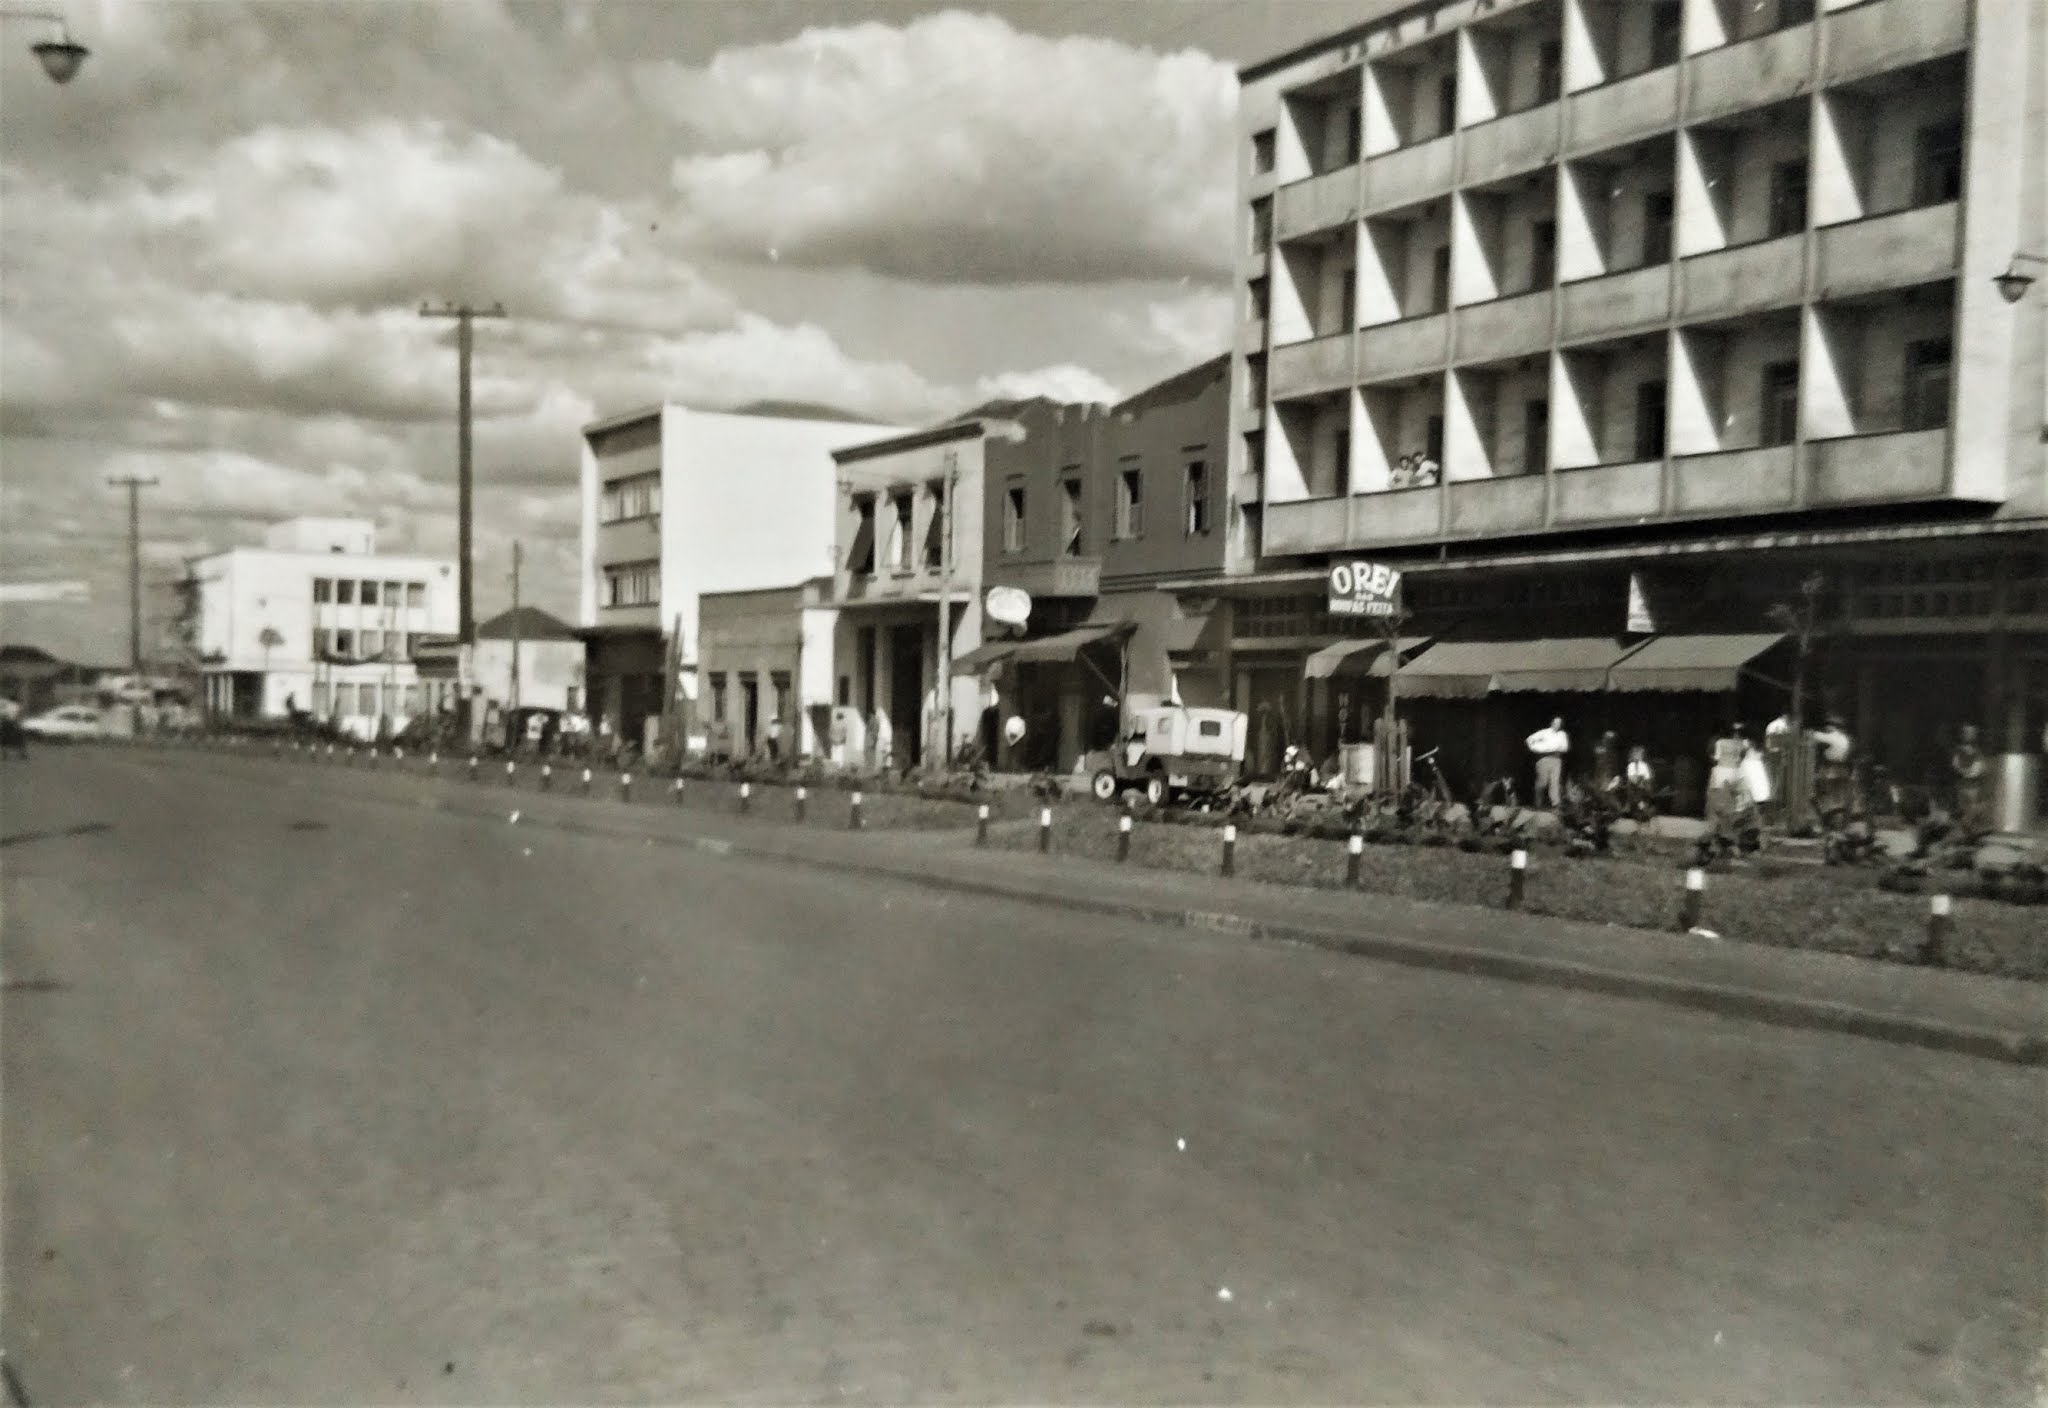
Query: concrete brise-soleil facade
point(680, 504)
point(1565, 303)
point(317, 619)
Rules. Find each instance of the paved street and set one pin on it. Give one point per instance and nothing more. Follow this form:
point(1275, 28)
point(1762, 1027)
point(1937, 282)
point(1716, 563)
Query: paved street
point(331, 1099)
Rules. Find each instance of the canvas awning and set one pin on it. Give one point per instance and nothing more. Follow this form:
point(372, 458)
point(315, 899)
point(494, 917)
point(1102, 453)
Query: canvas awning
point(1709, 664)
point(1357, 657)
point(1474, 669)
point(1044, 650)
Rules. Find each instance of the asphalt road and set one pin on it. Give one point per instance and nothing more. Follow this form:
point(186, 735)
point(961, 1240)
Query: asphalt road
point(333, 1100)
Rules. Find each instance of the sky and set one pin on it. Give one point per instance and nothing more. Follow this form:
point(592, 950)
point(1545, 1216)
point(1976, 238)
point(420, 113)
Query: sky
point(215, 241)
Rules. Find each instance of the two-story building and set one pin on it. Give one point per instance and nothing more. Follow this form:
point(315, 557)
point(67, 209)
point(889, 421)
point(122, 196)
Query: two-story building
point(1614, 322)
point(1087, 512)
point(317, 620)
point(680, 503)
point(909, 547)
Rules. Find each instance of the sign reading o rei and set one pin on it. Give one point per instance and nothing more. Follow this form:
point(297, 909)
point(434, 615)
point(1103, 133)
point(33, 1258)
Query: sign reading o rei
point(1364, 589)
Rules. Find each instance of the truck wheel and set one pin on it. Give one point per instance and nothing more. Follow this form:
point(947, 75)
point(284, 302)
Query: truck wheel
point(1155, 790)
point(1104, 786)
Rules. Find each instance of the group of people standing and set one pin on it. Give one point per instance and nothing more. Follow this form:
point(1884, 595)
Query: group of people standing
point(1416, 471)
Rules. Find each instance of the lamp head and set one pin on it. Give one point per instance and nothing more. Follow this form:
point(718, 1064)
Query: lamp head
point(60, 58)
point(2013, 284)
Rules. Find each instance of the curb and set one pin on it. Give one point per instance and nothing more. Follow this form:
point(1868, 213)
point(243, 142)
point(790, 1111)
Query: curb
point(1750, 1004)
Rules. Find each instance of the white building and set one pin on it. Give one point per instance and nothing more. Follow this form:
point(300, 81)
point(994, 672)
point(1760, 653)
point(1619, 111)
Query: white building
point(318, 620)
point(678, 503)
point(544, 653)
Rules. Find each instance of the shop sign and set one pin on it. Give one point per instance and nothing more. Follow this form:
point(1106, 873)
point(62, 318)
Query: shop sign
point(1364, 589)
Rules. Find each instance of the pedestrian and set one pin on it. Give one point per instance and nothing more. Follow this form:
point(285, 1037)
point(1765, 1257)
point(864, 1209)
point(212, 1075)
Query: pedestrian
point(1777, 752)
point(1549, 745)
point(1967, 763)
point(771, 739)
point(1831, 776)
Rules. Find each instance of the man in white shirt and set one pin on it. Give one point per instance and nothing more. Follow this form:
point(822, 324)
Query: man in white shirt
point(1549, 746)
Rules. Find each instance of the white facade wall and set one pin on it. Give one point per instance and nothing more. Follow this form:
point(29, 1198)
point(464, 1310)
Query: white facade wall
point(550, 673)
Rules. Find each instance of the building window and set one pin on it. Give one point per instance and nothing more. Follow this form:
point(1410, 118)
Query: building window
point(1013, 518)
point(1549, 71)
point(369, 593)
point(345, 645)
point(1196, 479)
point(843, 693)
point(1667, 29)
point(401, 646)
point(572, 698)
point(632, 584)
point(718, 697)
point(1658, 215)
point(412, 701)
point(1650, 403)
point(320, 698)
point(1262, 224)
point(345, 592)
point(1780, 418)
point(935, 531)
point(323, 590)
point(1071, 518)
point(1130, 503)
point(903, 509)
point(1927, 383)
point(638, 496)
point(1535, 437)
point(1261, 292)
point(1788, 198)
point(1542, 254)
point(1262, 152)
point(373, 644)
point(415, 594)
point(860, 560)
point(1938, 164)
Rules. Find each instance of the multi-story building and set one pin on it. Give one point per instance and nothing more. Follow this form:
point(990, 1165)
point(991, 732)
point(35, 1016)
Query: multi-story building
point(317, 620)
point(1569, 306)
point(1087, 512)
point(678, 503)
point(904, 547)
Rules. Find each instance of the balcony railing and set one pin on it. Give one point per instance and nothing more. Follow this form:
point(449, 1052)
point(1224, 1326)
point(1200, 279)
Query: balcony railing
point(1503, 328)
point(1608, 493)
point(1318, 203)
point(1483, 508)
point(1407, 175)
point(1622, 303)
point(1510, 145)
point(1757, 480)
point(1894, 467)
point(1752, 72)
point(1889, 251)
point(1890, 34)
point(1619, 112)
point(1304, 368)
point(1746, 279)
point(1404, 348)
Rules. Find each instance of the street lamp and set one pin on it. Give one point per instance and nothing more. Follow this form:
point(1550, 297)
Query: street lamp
point(2014, 283)
point(61, 57)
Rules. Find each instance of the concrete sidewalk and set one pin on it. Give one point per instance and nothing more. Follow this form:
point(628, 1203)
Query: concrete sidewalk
point(1971, 1014)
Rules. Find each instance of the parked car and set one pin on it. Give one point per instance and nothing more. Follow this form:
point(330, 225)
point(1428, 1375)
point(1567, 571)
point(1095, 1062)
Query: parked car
point(1174, 752)
point(65, 724)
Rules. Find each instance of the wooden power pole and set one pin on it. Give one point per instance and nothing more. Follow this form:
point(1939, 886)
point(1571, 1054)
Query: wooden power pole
point(134, 484)
point(464, 315)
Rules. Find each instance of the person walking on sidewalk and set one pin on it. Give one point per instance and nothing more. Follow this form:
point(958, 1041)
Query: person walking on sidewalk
point(1549, 745)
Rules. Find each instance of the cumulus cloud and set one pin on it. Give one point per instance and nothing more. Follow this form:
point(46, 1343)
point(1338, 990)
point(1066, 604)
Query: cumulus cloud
point(1064, 383)
point(957, 149)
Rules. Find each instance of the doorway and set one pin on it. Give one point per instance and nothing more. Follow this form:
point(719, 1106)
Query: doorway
point(906, 696)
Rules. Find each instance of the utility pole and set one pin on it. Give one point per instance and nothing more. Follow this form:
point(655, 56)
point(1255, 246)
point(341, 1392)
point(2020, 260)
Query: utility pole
point(516, 549)
point(464, 316)
point(945, 670)
point(134, 484)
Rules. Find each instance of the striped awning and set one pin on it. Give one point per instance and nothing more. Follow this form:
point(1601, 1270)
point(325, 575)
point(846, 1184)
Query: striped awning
point(1676, 664)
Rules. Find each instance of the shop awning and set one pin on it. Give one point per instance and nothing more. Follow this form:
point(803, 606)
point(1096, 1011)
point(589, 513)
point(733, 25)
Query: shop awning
point(1709, 664)
point(1194, 635)
point(1474, 669)
point(1357, 657)
point(1044, 650)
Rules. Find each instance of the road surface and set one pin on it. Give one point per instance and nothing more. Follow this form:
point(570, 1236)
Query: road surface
point(317, 1099)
